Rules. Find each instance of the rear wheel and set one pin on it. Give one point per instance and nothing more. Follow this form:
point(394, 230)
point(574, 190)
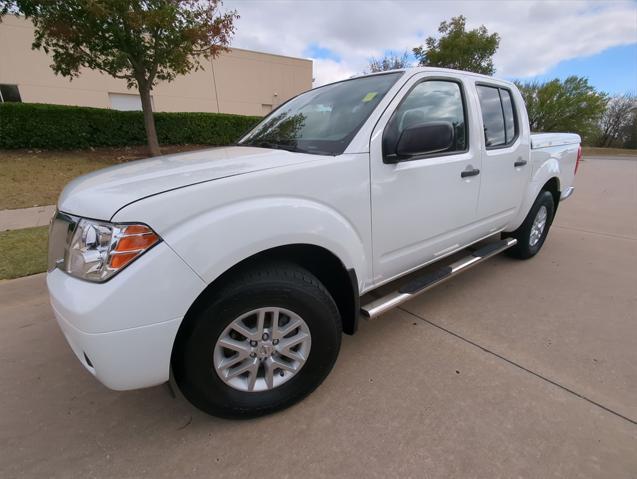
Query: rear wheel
point(264, 342)
point(533, 231)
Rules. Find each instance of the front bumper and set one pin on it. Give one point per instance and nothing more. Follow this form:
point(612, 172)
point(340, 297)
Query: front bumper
point(123, 330)
point(129, 359)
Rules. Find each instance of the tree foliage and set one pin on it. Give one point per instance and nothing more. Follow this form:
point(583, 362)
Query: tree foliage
point(391, 61)
point(139, 41)
point(5, 7)
point(618, 122)
point(460, 49)
point(630, 140)
point(569, 105)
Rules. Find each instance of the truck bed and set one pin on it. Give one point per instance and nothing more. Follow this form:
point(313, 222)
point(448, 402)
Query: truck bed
point(562, 148)
point(546, 140)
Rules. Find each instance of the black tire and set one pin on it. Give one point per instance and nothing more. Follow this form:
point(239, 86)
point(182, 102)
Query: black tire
point(275, 284)
point(523, 249)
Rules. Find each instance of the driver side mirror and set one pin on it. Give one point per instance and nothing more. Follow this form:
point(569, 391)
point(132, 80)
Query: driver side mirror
point(422, 139)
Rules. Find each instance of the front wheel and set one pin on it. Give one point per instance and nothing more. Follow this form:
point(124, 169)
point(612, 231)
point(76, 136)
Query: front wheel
point(533, 231)
point(265, 341)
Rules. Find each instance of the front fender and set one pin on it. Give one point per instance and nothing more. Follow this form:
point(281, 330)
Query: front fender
point(217, 239)
point(214, 225)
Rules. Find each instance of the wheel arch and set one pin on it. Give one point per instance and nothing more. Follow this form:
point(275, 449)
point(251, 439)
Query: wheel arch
point(341, 283)
point(550, 184)
point(553, 187)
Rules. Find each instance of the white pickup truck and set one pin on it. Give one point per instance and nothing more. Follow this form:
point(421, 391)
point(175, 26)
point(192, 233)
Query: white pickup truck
point(234, 271)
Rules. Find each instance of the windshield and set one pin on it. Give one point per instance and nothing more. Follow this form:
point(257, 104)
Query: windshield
point(323, 120)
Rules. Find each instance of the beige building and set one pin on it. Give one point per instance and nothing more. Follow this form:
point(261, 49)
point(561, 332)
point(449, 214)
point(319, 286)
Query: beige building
point(239, 81)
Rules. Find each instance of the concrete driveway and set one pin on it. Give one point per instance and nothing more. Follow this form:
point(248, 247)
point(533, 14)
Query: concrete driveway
point(515, 369)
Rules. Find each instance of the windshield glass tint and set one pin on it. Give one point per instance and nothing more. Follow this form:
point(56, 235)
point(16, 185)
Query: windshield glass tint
point(324, 120)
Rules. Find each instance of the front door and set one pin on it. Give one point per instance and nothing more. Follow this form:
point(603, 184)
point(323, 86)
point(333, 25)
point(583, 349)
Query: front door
point(423, 206)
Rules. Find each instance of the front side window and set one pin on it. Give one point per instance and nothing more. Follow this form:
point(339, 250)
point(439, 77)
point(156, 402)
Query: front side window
point(323, 120)
point(431, 101)
point(498, 116)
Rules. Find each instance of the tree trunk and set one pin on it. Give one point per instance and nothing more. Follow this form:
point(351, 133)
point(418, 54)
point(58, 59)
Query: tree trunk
point(149, 120)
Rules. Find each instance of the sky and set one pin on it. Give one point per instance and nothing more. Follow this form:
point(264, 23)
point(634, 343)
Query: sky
point(540, 39)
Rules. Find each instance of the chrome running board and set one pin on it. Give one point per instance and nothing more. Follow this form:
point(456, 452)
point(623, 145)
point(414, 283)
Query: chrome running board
point(423, 283)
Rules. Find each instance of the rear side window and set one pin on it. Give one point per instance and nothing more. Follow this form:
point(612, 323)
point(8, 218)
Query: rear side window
point(509, 115)
point(498, 116)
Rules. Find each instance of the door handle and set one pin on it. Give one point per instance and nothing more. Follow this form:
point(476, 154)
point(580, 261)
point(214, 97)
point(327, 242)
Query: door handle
point(519, 163)
point(472, 172)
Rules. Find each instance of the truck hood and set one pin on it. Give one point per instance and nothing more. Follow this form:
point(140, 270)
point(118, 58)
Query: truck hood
point(101, 193)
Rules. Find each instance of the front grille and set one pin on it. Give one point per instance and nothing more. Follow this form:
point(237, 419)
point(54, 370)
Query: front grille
point(60, 234)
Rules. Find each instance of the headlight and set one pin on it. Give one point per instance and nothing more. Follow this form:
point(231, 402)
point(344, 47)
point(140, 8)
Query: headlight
point(98, 249)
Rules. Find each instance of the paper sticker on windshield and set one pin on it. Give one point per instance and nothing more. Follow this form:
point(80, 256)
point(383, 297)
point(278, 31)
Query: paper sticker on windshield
point(370, 96)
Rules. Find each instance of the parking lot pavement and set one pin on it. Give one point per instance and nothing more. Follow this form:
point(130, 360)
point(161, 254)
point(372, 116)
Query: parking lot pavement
point(515, 369)
point(571, 313)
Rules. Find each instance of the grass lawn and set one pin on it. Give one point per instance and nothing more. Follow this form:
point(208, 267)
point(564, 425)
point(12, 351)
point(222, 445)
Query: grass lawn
point(36, 178)
point(23, 252)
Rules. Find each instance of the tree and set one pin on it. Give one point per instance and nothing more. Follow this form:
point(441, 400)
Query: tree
point(5, 7)
point(391, 61)
point(569, 105)
point(617, 120)
point(140, 41)
point(460, 49)
point(630, 135)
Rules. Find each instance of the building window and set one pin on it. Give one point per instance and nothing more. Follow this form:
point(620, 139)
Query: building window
point(127, 101)
point(10, 93)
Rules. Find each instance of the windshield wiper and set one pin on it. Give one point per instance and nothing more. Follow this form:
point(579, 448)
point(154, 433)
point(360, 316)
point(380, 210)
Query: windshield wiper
point(282, 146)
point(277, 146)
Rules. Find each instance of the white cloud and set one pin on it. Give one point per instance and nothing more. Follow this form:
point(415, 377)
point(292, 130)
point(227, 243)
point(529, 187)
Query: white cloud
point(327, 71)
point(536, 35)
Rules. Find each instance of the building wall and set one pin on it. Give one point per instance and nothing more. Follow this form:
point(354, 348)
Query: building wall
point(239, 81)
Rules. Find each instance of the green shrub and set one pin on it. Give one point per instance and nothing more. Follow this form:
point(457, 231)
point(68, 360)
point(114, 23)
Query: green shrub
point(36, 125)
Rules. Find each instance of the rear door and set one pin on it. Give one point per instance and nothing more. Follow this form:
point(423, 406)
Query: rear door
point(505, 157)
point(423, 207)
